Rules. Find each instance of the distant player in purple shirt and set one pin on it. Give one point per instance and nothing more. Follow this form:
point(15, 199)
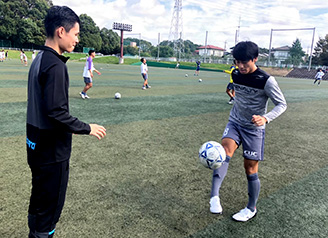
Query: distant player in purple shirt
point(88, 75)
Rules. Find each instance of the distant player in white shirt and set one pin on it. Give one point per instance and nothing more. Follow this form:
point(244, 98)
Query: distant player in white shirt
point(318, 76)
point(144, 73)
point(33, 55)
point(88, 75)
point(23, 58)
point(2, 56)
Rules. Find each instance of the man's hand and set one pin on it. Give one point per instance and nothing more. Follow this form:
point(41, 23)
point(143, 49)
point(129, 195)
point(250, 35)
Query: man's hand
point(259, 120)
point(97, 131)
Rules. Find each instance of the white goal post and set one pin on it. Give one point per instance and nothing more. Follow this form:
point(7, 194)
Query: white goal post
point(297, 29)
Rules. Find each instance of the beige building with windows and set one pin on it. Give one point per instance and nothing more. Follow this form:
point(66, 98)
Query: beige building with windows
point(211, 50)
point(280, 54)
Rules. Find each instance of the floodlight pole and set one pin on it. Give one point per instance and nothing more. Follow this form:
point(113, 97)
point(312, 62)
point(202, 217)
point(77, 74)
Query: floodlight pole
point(121, 55)
point(122, 27)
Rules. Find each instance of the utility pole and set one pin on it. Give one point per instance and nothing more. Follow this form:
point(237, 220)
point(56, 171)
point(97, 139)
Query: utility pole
point(205, 55)
point(159, 36)
point(237, 32)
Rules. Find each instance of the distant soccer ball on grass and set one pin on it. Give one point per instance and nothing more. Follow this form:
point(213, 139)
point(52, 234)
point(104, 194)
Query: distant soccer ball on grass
point(212, 155)
point(186, 75)
point(200, 80)
point(117, 95)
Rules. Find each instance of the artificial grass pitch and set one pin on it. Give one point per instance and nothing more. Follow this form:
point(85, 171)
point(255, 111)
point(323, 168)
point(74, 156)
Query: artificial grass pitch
point(144, 179)
point(298, 210)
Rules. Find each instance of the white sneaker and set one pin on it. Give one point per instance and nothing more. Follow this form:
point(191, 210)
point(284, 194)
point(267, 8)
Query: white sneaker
point(82, 95)
point(144, 88)
point(86, 96)
point(244, 215)
point(148, 86)
point(215, 205)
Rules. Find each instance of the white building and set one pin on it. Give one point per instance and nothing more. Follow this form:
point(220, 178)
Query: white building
point(280, 54)
point(211, 50)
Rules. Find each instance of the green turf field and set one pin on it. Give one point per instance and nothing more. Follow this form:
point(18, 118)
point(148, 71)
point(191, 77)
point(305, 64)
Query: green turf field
point(144, 180)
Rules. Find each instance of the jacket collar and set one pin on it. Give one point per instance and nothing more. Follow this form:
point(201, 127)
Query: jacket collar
point(61, 57)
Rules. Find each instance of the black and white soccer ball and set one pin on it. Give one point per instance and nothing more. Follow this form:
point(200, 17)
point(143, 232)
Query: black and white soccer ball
point(200, 80)
point(117, 95)
point(212, 155)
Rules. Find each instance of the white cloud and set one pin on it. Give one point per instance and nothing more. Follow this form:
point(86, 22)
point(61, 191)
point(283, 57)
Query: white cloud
point(219, 18)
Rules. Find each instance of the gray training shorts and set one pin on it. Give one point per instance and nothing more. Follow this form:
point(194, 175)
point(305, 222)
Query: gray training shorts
point(252, 140)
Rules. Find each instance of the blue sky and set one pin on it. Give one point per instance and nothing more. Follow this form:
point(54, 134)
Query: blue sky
point(220, 19)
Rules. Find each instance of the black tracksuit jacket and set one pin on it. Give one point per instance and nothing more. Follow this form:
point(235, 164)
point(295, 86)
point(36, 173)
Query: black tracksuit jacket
point(49, 126)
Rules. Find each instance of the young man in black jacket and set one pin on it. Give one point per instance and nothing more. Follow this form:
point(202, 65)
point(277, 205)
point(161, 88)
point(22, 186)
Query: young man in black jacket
point(49, 125)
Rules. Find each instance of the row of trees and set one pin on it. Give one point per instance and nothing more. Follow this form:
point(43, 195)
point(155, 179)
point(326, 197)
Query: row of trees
point(321, 52)
point(319, 56)
point(296, 54)
point(21, 23)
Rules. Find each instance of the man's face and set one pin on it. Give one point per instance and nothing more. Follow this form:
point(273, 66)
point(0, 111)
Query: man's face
point(246, 67)
point(69, 39)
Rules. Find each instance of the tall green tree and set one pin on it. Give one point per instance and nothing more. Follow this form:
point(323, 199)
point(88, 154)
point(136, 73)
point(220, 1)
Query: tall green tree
point(89, 34)
point(167, 43)
point(263, 50)
point(144, 45)
point(21, 21)
point(110, 42)
point(321, 51)
point(296, 53)
point(188, 47)
point(130, 50)
point(164, 51)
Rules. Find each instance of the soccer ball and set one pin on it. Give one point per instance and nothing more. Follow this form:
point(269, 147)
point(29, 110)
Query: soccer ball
point(212, 155)
point(186, 75)
point(117, 95)
point(200, 80)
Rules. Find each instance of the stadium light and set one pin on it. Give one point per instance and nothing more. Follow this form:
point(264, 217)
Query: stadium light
point(122, 27)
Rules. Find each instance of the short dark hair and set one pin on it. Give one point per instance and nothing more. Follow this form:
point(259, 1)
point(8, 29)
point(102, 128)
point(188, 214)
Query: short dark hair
point(58, 16)
point(142, 59)
point(245, 51)
point(91, 51)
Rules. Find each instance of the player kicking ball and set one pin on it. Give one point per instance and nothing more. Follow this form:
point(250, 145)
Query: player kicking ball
point(246, 126)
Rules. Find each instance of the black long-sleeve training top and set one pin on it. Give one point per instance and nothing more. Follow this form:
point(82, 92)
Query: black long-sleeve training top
point(49, 126)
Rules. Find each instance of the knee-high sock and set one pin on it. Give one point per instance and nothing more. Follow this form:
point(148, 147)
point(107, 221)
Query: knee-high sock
point(254, 186)
point(218, 177)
